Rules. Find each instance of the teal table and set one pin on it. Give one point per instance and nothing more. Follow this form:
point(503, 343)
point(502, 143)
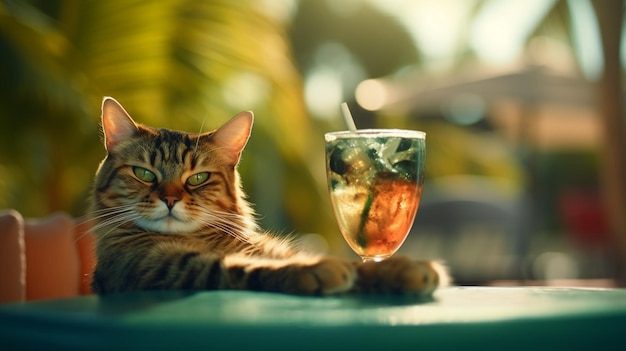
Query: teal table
point(465, 318)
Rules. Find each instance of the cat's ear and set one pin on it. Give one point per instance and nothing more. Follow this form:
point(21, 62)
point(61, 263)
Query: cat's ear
point(233, 136)
point(116, 123)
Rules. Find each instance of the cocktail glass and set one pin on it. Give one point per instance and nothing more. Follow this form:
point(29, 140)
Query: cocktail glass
point(375, 179)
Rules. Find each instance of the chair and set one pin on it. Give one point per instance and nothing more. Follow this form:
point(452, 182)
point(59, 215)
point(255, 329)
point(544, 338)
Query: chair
point(45, 258)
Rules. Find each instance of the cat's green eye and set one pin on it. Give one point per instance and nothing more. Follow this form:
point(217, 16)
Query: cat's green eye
point(198, 178)
point(144, 174)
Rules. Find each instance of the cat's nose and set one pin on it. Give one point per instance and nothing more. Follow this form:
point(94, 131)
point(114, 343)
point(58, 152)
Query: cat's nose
point(170, 194)
point(170, 200)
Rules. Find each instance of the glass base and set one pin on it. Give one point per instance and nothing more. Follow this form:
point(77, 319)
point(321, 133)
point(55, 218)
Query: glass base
point(374, 258)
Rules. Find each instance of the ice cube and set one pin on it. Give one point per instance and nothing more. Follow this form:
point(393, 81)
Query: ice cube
point(352, 163)
point(336, 162)
point(406, 163)
point(388, 149)
point(350, 202)
point(405, 144)
point(376, 151)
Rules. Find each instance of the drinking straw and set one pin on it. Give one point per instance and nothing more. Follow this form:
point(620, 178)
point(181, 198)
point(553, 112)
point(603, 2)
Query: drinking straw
point(361, 238)
point(347, 117)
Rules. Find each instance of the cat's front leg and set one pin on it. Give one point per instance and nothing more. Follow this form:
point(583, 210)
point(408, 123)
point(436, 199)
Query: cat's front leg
point(309, 276)
point(331, 275)
point(401, 275)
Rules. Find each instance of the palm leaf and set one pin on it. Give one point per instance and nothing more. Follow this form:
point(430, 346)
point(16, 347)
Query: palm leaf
point(171, 63)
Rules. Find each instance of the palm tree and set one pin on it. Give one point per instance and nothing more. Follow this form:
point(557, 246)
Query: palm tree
point(180, 64)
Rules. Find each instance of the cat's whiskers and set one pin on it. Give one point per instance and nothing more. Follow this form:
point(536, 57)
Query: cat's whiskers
point(111, 210)
point(106, 217)
point(116, 224)
point(195, 150)
point(230, 223)
point(113, 217)
point(97, 215)
point(228, 228)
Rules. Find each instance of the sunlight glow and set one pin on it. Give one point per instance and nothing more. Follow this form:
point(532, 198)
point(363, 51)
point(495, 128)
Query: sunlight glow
point(371, 94)
point(323, 92)
point(437, 27)
point(334, 74)
point(281, 10)
point(586, 35)
point(245, 90)
point(501, 29)
point(465, 109)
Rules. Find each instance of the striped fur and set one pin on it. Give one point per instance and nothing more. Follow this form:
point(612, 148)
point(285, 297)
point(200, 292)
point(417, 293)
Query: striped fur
point(169, 213)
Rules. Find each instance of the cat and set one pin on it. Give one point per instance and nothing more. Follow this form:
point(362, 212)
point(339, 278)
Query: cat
point(168, 212)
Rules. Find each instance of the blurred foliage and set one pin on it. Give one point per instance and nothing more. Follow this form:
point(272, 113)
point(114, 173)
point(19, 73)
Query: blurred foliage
point(179, 64)
point(380, 43)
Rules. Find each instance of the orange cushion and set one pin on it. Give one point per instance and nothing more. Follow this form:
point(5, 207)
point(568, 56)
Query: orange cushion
point(52, 260)
point(12, 261)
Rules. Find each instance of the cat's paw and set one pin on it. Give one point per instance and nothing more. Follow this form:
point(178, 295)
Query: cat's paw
point(329, 275)
point(401, 275)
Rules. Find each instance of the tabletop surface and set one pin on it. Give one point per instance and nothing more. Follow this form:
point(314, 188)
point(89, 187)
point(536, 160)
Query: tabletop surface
point(475, 317)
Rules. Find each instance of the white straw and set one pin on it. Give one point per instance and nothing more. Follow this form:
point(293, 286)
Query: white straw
point(347, 116)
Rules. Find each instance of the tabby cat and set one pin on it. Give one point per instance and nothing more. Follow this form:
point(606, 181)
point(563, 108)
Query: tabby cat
point(169, 213)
